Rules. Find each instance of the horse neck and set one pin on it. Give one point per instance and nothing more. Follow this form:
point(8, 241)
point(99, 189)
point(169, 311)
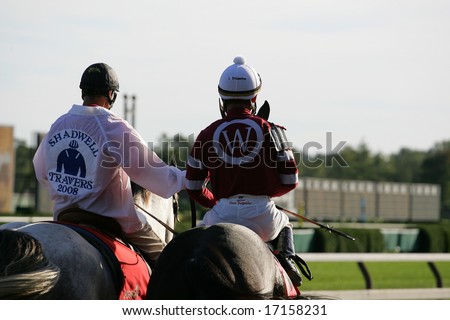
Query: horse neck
point(142, 198)
point(158, 207)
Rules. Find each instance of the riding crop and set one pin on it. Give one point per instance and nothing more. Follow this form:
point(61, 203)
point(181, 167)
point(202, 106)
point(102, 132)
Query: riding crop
point(326, 227)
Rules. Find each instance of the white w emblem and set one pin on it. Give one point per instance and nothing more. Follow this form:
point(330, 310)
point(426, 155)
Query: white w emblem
point(246, 142)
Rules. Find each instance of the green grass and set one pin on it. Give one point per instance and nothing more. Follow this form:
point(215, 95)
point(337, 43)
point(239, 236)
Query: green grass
point(384, 275)
point(396, 275)
point(334, 276)
point(444, 270)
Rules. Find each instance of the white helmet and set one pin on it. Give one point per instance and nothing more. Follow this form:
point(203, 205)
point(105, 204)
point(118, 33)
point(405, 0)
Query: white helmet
point(239, 81)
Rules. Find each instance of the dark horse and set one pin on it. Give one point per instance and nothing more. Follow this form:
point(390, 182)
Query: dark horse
point(47, 260)
point(223, 261)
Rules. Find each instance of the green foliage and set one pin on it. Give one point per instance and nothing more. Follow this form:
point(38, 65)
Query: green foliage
point(183, 225)
point(432, 166)
point(367, 240)
point(362, 164)
point(24, 172)
point(431, 238)
point(406, 165)
point(434, 238)
point(436, 169)
point(174, 150)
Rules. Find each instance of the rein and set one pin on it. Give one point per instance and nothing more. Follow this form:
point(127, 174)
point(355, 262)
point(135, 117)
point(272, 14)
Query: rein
point(193, 213)
point(161, 222)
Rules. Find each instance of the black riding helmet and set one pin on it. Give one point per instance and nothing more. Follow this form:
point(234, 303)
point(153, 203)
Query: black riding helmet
point(99, 78)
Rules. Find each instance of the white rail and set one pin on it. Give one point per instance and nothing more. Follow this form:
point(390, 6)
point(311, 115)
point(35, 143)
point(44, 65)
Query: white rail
point(381, 294)
point(365, 257)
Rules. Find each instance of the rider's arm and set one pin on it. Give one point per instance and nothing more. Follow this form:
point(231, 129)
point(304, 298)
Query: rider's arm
point(141, 164)
point(285, 163)
point(287, 172)
point(197, 175)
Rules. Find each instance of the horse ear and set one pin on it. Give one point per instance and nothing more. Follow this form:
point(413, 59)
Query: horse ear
point(264, 111)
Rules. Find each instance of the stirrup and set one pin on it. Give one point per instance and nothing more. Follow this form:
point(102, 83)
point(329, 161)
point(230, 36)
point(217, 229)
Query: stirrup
point(289, 265)
point(293, 273)
point(302, 266)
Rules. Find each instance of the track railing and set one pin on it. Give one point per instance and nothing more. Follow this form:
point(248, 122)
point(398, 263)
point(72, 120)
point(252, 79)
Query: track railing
point(361, 258)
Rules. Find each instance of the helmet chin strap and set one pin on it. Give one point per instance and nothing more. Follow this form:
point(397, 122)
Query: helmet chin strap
point(223, 112)
point(111, 101)
point(253, 105)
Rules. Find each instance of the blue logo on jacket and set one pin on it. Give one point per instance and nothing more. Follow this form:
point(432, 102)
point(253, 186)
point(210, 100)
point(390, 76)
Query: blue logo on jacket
point(71, 161)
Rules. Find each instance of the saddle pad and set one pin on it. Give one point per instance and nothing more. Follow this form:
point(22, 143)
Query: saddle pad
point(136, 274)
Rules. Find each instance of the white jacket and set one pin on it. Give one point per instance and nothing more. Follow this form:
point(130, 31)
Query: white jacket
point(87, 159)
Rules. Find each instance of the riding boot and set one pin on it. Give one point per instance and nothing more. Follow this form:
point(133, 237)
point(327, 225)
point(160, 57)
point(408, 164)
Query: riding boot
point(285, 253)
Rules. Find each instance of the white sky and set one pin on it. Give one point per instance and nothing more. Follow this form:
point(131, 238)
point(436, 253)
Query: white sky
point(368, 71)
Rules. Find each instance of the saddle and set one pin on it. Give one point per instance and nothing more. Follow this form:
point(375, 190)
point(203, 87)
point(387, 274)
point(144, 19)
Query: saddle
point(131, 273)
point(79, 216)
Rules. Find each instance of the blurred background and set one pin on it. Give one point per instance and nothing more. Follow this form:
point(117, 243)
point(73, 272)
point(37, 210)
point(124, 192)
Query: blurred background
point(361, 86)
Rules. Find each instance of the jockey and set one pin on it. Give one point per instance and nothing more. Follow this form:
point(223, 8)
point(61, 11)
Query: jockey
point(247, 161)
point(89, 157)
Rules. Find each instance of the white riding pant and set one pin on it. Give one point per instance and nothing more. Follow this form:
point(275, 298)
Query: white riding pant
point(257, 213)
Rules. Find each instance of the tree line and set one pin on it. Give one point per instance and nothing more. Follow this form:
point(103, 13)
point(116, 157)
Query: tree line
point(406, 165)
point(352, 163)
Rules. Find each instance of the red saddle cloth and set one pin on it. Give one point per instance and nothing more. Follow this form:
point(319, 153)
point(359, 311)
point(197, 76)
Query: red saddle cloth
point(135, 271)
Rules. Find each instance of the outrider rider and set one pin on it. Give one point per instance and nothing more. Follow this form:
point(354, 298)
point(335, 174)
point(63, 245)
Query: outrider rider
point(89, 157)
point(247, 161)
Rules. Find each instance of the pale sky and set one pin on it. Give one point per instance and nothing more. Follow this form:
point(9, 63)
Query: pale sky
point(368, 71)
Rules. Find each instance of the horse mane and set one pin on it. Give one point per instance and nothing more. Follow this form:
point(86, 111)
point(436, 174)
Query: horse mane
point(25, 271)
point(140, 192)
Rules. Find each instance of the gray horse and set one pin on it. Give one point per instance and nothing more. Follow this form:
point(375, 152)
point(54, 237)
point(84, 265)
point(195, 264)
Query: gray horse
point(46, 260)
